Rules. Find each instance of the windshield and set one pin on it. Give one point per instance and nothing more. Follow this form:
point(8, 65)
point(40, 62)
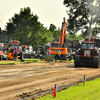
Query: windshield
point(15, 46)
point(1, 48)
point(40, 48)
point(87, 46)
point(54, 45)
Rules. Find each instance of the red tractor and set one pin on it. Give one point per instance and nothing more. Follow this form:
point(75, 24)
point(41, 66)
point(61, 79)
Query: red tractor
point(87, 54)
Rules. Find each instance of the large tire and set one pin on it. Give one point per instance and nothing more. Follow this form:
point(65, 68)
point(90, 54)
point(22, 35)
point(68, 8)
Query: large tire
point(0, 57)
point(77, 61)
point(70, 58)
point(20, 55)
point(77, 52)
point(6, 58)
point(96, 62)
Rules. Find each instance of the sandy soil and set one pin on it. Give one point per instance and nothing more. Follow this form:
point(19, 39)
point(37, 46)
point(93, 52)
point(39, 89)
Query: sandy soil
point(20, 79)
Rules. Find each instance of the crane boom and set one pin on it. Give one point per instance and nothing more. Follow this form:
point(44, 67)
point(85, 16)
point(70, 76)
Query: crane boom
point(62, 37)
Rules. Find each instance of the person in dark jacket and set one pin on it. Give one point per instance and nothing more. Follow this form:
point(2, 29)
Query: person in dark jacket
point(15, 54)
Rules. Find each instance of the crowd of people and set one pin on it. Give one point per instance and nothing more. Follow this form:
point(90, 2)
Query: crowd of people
point(16, 53)
point(11, 50)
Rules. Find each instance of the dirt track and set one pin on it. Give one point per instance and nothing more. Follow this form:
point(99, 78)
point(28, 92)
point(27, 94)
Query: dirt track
point(20, 79)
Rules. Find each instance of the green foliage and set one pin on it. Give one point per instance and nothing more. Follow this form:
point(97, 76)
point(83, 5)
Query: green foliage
point(55, 31)
point(77, 15)
point(41, 37)
point(52, 27)
point(82, 15)
point(26, 28)
point(79, 92)
point(74, 36)
point(79, 37)
point(96, 29)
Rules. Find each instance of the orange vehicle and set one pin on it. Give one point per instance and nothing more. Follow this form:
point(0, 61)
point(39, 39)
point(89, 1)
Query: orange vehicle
point(15, 44)
point(61, 46)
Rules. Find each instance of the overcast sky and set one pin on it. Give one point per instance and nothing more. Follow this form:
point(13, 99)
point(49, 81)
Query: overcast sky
point(48, 11)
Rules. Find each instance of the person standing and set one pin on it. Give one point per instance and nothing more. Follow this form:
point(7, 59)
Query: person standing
point(26, 53)
point(4, 50)
point(48, 54)
point(11, 50)
point(15, 54)
point(59, 55)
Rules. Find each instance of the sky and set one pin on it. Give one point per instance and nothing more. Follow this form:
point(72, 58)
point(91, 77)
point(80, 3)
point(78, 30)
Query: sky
point(48, 11)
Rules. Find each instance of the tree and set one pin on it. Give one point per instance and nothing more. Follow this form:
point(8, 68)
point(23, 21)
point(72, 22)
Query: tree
point(23, 25)
point(52, 27)
point(82, 15)
point(41, 37)
point(55, 31)
point(79, 37)
point(96, 29)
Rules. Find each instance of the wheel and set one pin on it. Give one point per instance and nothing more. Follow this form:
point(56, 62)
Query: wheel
point(77, 61)
point(96, 62)
point(29, 56)
point(70, 58)
point(0, 57)
point(6, 58)
point(83, 64)
point(77, 52)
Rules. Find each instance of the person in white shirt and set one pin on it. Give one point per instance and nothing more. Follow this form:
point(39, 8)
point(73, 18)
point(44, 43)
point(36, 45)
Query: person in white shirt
point(26, 53)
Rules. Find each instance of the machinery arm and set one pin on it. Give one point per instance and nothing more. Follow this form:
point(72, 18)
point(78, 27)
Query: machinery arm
point(62, 37)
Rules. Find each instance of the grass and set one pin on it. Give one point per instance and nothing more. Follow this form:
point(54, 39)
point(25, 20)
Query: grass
point(18, 61)
point(34, 60)
point(91, 91)
point(10, 62)
point(29, 61)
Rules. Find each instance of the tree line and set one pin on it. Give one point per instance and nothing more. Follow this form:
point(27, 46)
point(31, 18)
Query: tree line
point(26, 28)
point(82, 14)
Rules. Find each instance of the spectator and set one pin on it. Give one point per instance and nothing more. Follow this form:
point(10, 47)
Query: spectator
point(48, 54)
point(11, 49)
point(4, 50)
point(56, 56)
point(15, 54)
point(21, 55)
point(26, 53)
point(59, 55)
point(7, 49)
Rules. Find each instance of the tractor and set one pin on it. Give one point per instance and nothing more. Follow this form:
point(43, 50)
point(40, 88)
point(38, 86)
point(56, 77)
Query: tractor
point(87, 54)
